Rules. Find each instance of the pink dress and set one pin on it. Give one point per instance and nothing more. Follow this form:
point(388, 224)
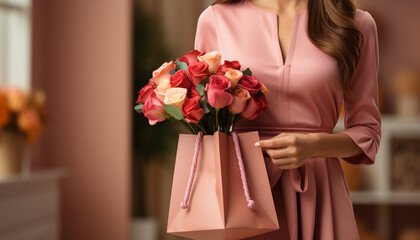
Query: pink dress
point(312, 201)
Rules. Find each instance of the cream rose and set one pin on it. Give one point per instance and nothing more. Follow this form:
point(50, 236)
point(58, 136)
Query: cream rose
point(176, 96)
point(162, 88)
point(234, 76)
point(213, 58)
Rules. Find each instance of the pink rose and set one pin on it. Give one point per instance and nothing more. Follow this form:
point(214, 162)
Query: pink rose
point(180, 79)
point(192, 110)
point(198, 71)
point(234, 76)
point(176, 96)
point(213, 58)
point(191, 57)
point(251, 84)
point(221, 70)
point(255, 107)
point(153, 109)
point(161, 89)
point(144, 93)
point(162, 72)
point(240, 98)
point(216, 91)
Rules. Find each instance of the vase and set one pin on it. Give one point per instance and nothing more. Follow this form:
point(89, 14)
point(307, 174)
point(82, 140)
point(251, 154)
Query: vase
point(12, 146)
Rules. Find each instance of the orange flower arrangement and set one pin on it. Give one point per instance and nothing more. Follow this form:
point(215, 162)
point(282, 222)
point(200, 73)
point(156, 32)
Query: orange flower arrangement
point(22, 112)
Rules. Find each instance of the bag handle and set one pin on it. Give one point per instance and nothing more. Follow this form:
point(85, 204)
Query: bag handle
point(251, 203)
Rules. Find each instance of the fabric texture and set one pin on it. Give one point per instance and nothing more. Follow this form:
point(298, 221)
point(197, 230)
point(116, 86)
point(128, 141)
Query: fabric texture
point(312, 201)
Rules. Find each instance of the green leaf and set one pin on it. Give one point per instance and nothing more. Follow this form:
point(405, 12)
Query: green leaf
point(173, 111)
point(200, 89)
point(203, 104)
point(172, 72)
point(181, 66)
point(139, 107)
point(247, 72)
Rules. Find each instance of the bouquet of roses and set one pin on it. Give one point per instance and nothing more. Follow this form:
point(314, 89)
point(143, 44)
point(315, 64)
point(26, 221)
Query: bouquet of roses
point(201, 93)
point(209, 98)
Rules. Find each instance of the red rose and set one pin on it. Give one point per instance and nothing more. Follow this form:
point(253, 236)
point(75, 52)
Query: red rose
point(192, 110)
point(255, 107)
point(192, 93)
point(198, 71)
point(180, 79)
point(217, 94)
point(191, 57)
point(221, 70)
point(144, 93)
point(251, 84)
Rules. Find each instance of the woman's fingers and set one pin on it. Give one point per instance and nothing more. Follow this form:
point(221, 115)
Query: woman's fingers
point(290, 151)
point(289, 166)
point(276, 142)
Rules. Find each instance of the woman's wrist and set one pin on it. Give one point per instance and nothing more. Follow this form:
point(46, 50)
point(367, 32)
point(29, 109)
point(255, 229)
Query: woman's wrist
point(315, 140)
point(332, 145)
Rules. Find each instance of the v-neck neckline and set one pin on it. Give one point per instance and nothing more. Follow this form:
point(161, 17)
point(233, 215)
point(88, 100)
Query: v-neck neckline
point(283, 61)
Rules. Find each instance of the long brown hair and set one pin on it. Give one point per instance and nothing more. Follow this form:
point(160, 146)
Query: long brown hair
point(332, 28)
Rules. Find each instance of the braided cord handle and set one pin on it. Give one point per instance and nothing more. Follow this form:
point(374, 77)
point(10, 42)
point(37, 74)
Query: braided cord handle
point(251, 203)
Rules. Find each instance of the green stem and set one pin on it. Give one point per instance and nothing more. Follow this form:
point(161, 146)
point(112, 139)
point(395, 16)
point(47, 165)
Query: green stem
point(201, 127)
point(217, 119)
point(194, 131)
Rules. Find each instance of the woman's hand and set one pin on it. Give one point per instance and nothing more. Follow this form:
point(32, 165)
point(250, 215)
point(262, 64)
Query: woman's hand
point(289, 150)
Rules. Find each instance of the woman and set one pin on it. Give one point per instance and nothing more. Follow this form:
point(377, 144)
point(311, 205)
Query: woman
point(312, 55)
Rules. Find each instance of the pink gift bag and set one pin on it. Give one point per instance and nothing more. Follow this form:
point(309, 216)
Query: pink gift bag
point(225, 193)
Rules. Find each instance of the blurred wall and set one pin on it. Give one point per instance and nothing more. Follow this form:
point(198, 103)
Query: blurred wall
point(82, 59)
point(399, 40)
point(178, 22)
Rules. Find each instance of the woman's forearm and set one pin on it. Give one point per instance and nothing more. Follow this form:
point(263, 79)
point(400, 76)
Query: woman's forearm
point(334, 145)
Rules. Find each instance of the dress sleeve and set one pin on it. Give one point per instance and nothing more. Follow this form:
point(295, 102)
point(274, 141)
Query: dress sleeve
point(206, 34)
point(362, 121)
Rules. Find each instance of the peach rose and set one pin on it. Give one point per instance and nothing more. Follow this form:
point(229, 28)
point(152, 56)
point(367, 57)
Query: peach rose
point(213, 58)
point(176, 97)
point(162, 73)
point(5, 116)
point(29, 122)
point(162, 88)
point(234, 76)
point(16, 99)
point(240, 98)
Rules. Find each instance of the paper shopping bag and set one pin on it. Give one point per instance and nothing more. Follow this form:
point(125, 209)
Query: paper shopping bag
point(223, 201)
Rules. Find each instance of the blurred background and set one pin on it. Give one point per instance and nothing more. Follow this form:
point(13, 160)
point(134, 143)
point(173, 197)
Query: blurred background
point(77, 162)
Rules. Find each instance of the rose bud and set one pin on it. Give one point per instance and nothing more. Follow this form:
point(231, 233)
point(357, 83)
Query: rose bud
point(197, 72)
point(251, 84)
point(240, 98)
point(144, 93)
point(176, 96)
point(216, 91)
point(213, 58)
point(162, 72)
point(180, 79)
point(234, 76)
point(192, 111)
point(255, 107)
point(190, 58)
point(161, 89)
point(153, 110)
